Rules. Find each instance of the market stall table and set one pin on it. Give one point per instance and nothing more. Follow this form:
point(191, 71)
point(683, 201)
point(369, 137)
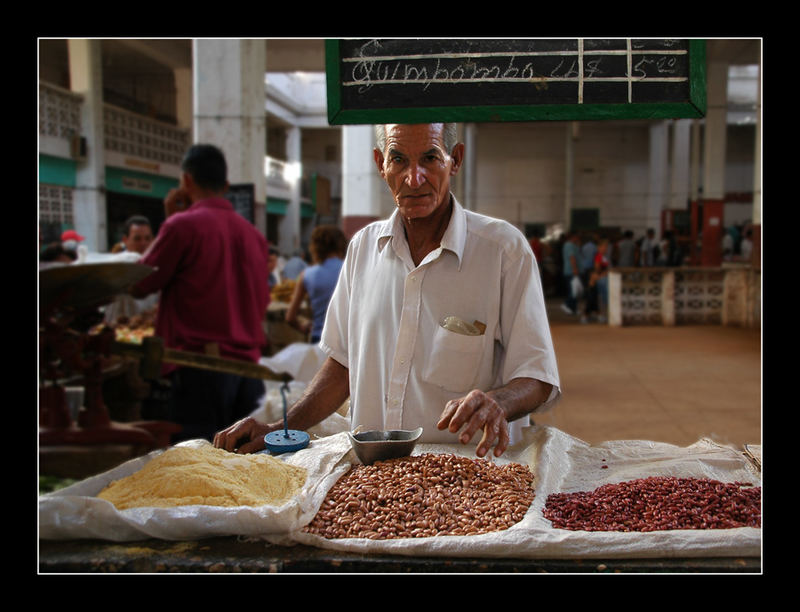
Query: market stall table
point(81, 533)
point(233, 554)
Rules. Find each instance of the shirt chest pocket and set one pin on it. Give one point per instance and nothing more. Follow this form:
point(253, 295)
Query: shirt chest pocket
point(454, 360)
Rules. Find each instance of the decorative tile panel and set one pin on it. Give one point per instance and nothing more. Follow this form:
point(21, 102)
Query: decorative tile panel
point(139, 136)
point(59, 112)
point(699, 296)
point(641, 298)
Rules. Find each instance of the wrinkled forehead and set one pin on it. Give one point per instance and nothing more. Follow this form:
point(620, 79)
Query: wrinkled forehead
point(411, 137)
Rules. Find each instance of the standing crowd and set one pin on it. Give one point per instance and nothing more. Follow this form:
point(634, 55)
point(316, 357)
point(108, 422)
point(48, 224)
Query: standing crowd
point(586, 259)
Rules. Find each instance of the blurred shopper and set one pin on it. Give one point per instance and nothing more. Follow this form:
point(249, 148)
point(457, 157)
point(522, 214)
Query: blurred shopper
point(588, 251)
point(597, 286)
point(136, 239)
point(273, 268)
point(626, 251)
point(746, 246)
point(70, 239)
point(317, 282)
point(572, 272)
point(137, 235)
point(210, 264)
point(647, 249)
point(56, 253)
point(536, 247)
point(294, 266)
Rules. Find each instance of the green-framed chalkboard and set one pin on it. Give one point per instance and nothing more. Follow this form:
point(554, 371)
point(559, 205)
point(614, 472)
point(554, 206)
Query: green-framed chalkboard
point(424, 80)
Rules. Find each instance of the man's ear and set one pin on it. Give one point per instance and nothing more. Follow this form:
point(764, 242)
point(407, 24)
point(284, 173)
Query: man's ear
point(457, 156)
point(187, 182)
point(378, 157)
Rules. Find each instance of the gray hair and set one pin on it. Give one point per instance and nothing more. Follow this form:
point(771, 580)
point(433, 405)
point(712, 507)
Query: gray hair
point(449, 134)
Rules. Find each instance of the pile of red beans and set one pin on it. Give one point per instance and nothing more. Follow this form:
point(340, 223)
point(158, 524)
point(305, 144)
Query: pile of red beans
point(657, 503)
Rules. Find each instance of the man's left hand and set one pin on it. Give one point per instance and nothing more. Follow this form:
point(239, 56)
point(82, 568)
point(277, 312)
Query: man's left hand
point(477, 411)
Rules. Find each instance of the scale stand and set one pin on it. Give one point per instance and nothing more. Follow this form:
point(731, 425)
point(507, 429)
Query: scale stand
point(70, 296)
point(288, 440)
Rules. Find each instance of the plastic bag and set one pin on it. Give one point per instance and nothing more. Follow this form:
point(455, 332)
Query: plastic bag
point(577, 287)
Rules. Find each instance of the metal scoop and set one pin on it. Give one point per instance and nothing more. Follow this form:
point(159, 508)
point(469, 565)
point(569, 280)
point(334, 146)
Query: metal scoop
point(378, 445)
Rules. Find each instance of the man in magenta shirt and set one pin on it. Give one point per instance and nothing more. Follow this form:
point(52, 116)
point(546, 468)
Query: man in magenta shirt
point(211, 266)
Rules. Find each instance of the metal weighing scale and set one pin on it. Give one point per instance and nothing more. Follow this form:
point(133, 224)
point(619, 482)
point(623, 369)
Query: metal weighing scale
point(286, 440)
point(69, 299)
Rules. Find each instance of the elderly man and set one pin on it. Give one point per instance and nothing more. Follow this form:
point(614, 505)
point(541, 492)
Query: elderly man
point(438, 318)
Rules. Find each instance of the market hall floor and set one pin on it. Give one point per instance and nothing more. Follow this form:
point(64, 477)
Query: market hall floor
point(666, 384)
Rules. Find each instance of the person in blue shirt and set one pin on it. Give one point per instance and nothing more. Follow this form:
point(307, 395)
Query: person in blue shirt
point(573, 268)
point(317, 282)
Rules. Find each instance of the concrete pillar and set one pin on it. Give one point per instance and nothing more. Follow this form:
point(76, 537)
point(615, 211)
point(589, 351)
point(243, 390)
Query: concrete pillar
point(183, 98)
point(469, 167)
point(680, 164)
point(89, 195)
point(694, 193)
point(735, 295)
point(229, 108)
point(569, 172)
point(289, 225)
point(756, 260)
point(362, 188)
point(658, 176)
point(716, 125)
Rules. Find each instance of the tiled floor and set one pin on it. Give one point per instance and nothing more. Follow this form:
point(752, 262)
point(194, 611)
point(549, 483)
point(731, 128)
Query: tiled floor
point(675, 385)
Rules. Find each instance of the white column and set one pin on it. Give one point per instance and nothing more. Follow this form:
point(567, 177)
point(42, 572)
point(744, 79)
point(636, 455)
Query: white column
point(757, 157)
point(89, 199)
point(714, 142)
point(757, 235)
point(183, 97)
point(229, 108)
point(716, 126)
point(696, 163)
point(569, 171)
point(658, 169)
point(289, 226)
point(364, 195)
point(469, 169)
point(680, 164)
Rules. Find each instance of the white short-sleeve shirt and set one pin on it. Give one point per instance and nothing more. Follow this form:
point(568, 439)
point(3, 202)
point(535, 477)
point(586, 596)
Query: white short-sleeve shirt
point(384, 322)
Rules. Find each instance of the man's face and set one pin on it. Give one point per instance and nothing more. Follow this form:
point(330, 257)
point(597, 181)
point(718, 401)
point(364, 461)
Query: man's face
point(138, 239)
point(417, 167)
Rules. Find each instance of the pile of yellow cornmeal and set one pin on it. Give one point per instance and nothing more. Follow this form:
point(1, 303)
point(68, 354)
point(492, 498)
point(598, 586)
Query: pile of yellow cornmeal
point(187, 475)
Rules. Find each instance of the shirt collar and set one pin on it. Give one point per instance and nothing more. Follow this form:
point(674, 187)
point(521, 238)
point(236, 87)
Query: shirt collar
point(212, 203)
point(454, 236)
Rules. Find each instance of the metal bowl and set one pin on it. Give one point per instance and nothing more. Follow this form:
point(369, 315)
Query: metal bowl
point(377, 445)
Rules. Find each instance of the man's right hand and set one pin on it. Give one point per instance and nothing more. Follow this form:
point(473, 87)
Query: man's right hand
point(243, 437)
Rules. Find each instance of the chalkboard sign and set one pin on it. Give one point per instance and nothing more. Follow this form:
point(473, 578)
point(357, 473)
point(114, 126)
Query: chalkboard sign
point(243, 197)
point(426, 80)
